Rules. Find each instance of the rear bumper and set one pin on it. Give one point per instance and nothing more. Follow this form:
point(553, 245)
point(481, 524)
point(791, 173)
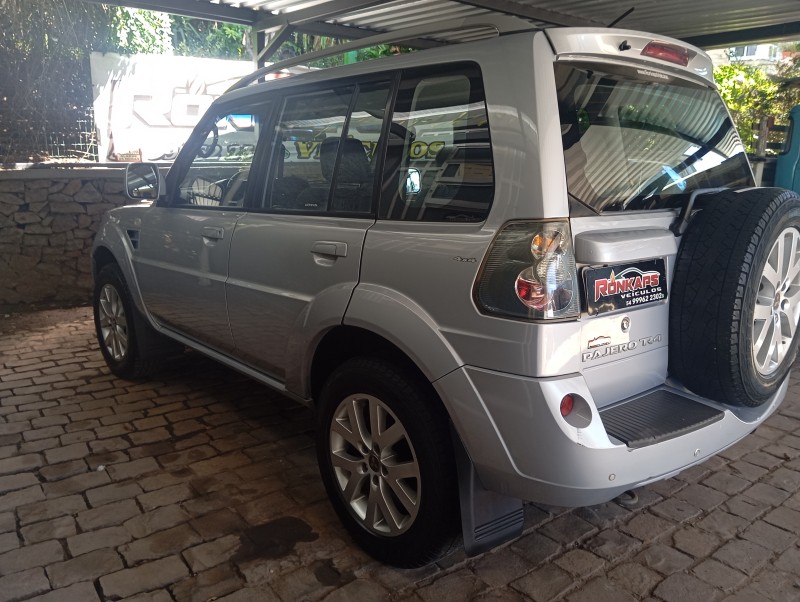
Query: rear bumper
point(520, 445)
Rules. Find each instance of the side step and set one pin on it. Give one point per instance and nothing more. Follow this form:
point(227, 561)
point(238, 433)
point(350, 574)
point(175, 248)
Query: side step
point(656, 417)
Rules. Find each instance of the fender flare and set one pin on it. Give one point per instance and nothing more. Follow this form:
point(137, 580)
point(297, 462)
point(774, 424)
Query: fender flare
point(405, 324)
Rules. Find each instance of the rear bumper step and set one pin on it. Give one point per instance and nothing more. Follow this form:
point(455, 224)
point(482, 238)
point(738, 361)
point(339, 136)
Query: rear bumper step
point(656, 417)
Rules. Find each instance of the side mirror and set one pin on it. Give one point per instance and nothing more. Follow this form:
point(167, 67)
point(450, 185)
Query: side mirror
point(413, 181)
point(143, 181)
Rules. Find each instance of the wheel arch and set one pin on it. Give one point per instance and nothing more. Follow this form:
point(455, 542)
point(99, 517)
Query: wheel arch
point(344, 342)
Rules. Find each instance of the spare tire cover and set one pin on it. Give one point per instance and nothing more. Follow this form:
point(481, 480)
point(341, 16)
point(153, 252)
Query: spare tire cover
point(735, 300)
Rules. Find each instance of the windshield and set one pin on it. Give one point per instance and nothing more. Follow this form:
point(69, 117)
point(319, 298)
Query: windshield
point(634, 144)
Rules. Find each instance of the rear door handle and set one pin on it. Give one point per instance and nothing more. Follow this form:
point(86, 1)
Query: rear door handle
point(213, 233)
point(330, 248)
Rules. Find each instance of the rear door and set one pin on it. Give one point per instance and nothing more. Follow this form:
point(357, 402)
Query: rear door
point(295, 258)
point(182, 259)
point(637, 143)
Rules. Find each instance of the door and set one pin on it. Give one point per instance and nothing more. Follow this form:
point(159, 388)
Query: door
point(295, 263)
point(184, 245)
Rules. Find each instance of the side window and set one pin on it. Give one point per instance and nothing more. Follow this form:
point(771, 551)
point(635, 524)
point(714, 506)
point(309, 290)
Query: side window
point(218, 174)
point(304, 156)
point(439, 156)
point(324, 158)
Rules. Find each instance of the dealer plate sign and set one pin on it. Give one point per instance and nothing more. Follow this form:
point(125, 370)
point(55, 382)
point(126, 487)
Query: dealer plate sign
point(625, 286)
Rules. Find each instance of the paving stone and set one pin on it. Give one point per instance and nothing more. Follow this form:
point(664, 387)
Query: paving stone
point(219, 523)
point(665, 560)
point(113, 493)
point(8, 541)
point(535, 548)
point(635, 578)
point(165, 496)
point(62, 471)
point(719, 576)
point(57, 528)
point(500, 569)
point(39, 511)
point(110, 537)
point(17, 481)
point(722, 523)
point(769, 536)
point(143, 578)
point(647, 527)
point(567, 529)
point(66, 453)
point(80, 592)
point(676, 510)
point(212, 553)
point(745, 507)
point(87, 567)
point(359, 589)
point(25, 463)
point(681, 587)
point(766, 494)
point(726, 482)
point(14, 499)
point(744, 555)
point(108, 515)
point(27, 557)
point(544, 583)
point(156, 520)
point(161, 595)
point(158, 545)
point(129, 470)
point(23, 584)
point(76, 484)
point(695, 542)
point(211, 584)
point(775, 585)
point(7, 522)
point(601, 589)
point(785, 518)
point(701, 496)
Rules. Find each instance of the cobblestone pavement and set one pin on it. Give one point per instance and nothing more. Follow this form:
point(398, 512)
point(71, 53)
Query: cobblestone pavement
point(203, 485)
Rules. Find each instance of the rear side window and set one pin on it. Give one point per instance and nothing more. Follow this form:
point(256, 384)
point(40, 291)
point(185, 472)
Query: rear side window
point(633, 143)
point(439, 156)
point(326, 148)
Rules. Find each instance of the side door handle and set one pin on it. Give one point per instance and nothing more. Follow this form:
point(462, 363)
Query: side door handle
point(213, 233)
point(330, 248)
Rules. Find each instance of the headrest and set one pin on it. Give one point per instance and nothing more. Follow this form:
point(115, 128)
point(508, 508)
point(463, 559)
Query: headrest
point(354, 164)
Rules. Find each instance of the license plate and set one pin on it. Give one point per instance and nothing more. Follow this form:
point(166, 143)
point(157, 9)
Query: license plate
point(625, 286)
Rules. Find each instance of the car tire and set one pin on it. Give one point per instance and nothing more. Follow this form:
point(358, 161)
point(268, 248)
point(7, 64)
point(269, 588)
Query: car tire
point(386, 458)
point(131, 348)
point(735, 299)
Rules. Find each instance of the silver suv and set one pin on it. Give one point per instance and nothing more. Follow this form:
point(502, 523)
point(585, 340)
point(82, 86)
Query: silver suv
point(530, 267)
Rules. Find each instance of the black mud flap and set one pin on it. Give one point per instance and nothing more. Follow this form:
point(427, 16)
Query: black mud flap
point(487, 518)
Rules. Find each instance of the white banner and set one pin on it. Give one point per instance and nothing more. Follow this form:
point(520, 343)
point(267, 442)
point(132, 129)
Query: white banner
point(145, 106)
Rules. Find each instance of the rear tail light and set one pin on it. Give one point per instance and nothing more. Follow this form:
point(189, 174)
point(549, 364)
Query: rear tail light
point(530, 273)
point(567, 403)
point(671, 53)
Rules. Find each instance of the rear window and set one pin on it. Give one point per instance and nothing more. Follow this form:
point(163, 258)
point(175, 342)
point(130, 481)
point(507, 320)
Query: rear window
point(439, 158)
point(634, 144)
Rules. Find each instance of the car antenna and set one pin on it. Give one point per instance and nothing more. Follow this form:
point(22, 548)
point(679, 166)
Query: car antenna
point(622, 16)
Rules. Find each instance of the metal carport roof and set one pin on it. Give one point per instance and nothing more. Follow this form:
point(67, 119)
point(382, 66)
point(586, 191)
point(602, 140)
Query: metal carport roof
point(708, 24)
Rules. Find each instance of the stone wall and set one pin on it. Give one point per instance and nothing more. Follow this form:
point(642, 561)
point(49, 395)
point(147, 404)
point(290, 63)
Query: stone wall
point(48, 218)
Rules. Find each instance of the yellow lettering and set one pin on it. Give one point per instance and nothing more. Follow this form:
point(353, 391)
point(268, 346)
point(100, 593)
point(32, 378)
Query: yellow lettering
point(306, 150)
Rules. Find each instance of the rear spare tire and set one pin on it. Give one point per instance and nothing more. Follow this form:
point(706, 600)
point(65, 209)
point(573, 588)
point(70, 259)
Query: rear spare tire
point(736, 296)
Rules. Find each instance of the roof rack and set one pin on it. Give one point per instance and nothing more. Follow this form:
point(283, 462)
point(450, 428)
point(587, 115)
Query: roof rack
point(497, 24)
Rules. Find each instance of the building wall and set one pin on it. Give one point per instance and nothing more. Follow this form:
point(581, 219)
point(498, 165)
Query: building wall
point(48, 218)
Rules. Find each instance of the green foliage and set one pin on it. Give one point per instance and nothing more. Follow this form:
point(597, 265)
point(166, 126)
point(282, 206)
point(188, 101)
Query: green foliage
point(141, 31)
point(196, 37)
point(750, 95)
point(302, 43)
